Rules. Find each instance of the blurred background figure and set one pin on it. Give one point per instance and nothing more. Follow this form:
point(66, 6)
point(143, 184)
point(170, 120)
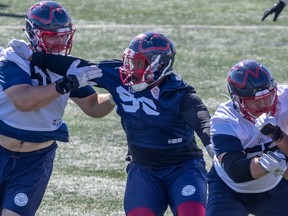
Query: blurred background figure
point(276, 9)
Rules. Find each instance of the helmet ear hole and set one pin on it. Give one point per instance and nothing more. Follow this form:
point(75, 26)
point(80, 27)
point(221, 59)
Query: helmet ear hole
point(161, 66)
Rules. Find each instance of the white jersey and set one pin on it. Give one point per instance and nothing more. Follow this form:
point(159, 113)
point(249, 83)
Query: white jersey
point(229, 121)
point(34, 126)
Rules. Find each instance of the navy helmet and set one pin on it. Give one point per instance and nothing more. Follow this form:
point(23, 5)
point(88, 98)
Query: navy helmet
point(248, 81)
point(149, 57)
point(48, 18)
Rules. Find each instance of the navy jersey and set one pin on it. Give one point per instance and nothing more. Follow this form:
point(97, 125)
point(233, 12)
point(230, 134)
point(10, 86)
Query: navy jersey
point(152, 119)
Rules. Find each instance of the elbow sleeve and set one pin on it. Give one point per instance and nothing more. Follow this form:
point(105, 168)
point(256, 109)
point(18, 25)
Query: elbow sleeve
point(237, 166)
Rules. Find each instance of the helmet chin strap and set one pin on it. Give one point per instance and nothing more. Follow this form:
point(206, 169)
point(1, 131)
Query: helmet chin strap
point(58, 53)
point(140, 86)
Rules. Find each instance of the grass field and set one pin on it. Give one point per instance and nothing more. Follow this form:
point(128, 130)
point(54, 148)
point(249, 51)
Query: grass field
point(210, 36)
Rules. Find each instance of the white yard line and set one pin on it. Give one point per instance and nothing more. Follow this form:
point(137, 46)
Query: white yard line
point(127, 26)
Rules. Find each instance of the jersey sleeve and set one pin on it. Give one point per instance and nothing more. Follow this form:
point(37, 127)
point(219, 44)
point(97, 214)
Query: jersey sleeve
point(82, 92)
point(11, 74)
point(57, 63)
point(226, 143)
point(196, 114)
point(224, 127)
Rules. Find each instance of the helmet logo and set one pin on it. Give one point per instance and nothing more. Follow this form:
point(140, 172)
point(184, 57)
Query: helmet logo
point(246, 75)
point(154, 64)
point(50, 18)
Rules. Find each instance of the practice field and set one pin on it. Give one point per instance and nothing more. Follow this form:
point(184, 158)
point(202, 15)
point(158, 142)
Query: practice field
point(210, 36)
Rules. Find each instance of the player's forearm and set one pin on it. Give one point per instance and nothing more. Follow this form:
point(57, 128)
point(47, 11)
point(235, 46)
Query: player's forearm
point(96, 105)
point(104, 106)
point(28, 98)
point(285, 175)
point(257, 170)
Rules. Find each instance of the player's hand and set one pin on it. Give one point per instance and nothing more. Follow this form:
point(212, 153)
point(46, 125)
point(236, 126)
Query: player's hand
point(84, 74)
point(268, 126)
point(210, 150)
point(273, 162)
point(78, 77)
point(21, 48)
point(277, 9)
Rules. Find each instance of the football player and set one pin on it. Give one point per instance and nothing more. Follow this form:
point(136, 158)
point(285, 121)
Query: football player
point(276, 9)
point(32, 103)
point(249, 137)
point(160, 114)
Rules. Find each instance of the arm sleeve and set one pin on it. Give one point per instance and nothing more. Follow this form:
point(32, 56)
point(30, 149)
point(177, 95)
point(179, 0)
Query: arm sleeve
point(197, 116)
point(57, 63)
point(237, 166)
point(82, 92)
point(235, 162)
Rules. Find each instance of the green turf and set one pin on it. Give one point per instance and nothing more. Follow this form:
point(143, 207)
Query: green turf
point(210, 36)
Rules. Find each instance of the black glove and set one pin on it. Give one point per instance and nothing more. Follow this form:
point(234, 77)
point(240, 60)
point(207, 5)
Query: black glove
point(274, 131)
point(268, 126)
point(78, 77)
point(277, 9)
point(67, 84)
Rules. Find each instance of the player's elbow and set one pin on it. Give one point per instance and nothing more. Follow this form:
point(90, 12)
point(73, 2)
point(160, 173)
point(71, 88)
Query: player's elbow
point(237, 166)
point(24, 106)
point(23, 109)
point(99, 113)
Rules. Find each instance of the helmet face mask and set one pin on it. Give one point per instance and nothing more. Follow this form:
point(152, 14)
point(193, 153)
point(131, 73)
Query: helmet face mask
point(149, 57)
point(252, 88)
point(62, 41)
point(253, 107)
point(49, 28)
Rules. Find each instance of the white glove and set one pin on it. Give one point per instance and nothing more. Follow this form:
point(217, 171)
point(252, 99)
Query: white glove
point(21, 48)
point(210, 150)
point(264, 120)
point(272, 162)
point(85, 74)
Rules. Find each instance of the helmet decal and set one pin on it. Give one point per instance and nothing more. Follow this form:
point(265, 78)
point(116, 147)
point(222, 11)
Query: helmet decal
point(246, 75)
point(162, 44)
point(45, 20)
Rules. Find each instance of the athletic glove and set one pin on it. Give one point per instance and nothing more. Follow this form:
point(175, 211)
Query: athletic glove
point(268, 126)
point(210, 150)
point(21, 48)
point(277, 9)
point(272, 162)
point(78, 77)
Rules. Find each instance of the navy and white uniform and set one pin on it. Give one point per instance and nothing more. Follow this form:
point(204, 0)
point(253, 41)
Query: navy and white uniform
point(263, 196)
point(23, 173)
point(159, 124)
